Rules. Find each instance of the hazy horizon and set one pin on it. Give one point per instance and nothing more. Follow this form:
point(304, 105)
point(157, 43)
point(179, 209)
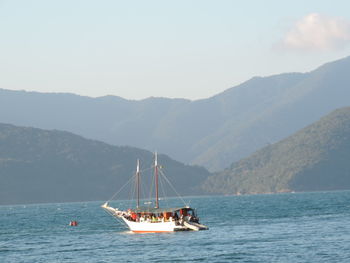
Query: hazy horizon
point(187, 49)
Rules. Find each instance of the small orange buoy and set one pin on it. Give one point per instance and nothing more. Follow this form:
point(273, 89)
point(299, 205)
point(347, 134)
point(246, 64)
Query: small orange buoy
point(73, 223)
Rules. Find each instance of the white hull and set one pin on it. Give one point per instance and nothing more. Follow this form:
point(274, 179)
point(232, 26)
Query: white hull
point(153, 227)
point(148, 227)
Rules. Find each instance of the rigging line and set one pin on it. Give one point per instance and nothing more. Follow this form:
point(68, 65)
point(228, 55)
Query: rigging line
point(119, 221)
point(162, 187)
point(165, 177)
point(145, 170)
point(132, 192)
point(144, 191)
point(151, 188)
point(142, 185)
point(142, 188)
point(121, 189)
point(129, 197)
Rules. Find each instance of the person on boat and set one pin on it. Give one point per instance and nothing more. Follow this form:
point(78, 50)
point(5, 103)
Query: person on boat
point(192, 217)
point(181, 220)
point(154, 219)
point(133, 216)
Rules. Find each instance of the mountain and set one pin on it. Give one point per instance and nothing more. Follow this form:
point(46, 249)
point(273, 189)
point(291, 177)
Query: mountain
point(291, 103)
point(315, 158)
point(54, 166)
point(211, 132)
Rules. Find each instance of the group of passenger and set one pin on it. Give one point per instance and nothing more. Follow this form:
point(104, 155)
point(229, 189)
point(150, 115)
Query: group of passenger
point(162, 217)
point(151, 217)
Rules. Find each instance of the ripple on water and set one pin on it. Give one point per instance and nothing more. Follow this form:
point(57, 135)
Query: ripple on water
point(308, 227)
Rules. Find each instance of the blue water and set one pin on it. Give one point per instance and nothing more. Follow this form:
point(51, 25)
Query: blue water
point(301, 227)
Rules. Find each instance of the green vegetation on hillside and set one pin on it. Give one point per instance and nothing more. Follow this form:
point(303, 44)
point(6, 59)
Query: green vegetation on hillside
point(54, 166)
point(315, 158)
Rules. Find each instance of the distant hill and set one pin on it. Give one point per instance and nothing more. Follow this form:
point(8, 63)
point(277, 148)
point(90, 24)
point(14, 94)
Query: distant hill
point(212, 132)
point(315, 158)
point(54, 166)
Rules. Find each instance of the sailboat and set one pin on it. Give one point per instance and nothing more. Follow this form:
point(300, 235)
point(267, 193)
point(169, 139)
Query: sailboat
point(156, 219)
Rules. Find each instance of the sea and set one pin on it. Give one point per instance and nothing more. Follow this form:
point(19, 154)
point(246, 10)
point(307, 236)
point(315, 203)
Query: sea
point(289, 227)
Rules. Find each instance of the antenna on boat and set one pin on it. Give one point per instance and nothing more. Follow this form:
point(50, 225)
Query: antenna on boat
point(156, 177)
point(138, 183)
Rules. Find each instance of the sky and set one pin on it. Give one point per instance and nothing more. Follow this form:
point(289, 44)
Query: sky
point(159, 48)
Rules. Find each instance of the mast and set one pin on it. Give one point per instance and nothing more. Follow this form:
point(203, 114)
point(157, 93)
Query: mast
point(156, 178)
point(138, 183)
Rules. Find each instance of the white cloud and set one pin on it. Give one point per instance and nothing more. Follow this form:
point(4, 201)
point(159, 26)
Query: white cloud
point(318, 32)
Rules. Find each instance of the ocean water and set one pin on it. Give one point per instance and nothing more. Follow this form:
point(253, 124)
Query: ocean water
point(300, 227)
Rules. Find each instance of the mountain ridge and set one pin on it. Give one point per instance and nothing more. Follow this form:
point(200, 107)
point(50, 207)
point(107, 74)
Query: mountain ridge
point(212, 132)
point(313, 159)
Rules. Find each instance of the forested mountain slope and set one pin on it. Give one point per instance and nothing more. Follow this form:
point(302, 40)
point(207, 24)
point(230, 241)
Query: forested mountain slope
point(54, 166)
point(315, 158)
